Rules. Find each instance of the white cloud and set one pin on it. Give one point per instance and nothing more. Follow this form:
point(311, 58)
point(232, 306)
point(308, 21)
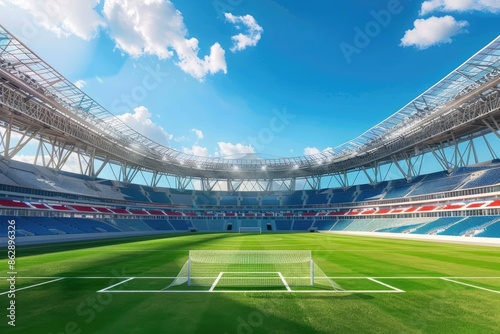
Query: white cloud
point(150, 27)
point(459, 6)
point(71, 18)
point(233, 150)
point(80, 84)
point(181, 139)
point(313, 150)
point(30, 159)
point(196, 150)
point(141, 122)
point(252, 35)
point(198, 133)
point(72, 164)
point(432, 31)
point(156, 27)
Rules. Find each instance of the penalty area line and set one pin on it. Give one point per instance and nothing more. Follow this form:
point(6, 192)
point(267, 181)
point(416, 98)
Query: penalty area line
point(384, 284)
point(112, 286)
point(284, 282)
point(215, 282)
point(469, 285)
point(34, 285)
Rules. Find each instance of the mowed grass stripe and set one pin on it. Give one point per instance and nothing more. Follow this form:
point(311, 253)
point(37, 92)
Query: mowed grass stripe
point(428, 305)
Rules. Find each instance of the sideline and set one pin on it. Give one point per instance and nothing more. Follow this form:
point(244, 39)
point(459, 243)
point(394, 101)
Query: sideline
point(494, 242)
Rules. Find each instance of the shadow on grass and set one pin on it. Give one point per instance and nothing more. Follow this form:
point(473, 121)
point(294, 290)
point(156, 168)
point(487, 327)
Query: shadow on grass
point(46, 248)
point(316, 296)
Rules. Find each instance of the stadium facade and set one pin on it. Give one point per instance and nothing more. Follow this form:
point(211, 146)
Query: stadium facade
point(455, 123)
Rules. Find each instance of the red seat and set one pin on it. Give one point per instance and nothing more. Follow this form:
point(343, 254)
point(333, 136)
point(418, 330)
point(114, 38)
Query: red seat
point(13, 204)
point(103, 210)
point(475, 205)
point(453, 206)
point(426, 208)
point(40, 206)
point(495, 203)
point(60, 207)
point(120, 211)
point(82, 208)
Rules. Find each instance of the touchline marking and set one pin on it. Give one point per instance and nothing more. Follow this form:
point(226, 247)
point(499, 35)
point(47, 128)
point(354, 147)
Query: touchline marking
point(112, 286)
point(32, 286)
point(384, 284)
point(472, 286)
point(216, 281)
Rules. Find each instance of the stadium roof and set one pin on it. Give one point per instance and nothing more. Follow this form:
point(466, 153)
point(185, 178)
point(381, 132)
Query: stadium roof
point(477, 71)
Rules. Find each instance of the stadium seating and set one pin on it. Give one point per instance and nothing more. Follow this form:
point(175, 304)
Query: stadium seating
point(323, 225)
point(283, 225)
point(440, 184)
point(400, 229)
point(130, 224)
point(371, 194)
point(181, 224)
point(83, 197)
point(134, 193)
point(204, 199)
point(293, 199)
point(341, 196)
point(158, 197)
point(466, 224)
point(301, 225)
point(159, 224)
point(341, 224)
point(88, 225)
point(250, 199)
point(438, 224)
point(491, 231)
point(320, 198)
point(270, 200)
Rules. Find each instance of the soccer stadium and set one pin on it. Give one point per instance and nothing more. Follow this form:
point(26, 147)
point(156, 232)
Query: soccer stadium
point(175, 242)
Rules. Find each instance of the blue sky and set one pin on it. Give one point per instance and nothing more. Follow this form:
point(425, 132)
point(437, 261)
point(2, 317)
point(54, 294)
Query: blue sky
point(278, 78)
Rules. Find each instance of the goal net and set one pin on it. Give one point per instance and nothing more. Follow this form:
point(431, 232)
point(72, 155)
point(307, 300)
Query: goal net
point(252, 268)
point(250, 230)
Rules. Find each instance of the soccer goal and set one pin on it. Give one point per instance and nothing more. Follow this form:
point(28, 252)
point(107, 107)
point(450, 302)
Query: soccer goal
point(252, 268)
point(249, 229)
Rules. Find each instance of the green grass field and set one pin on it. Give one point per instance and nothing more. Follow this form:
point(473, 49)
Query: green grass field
point(406, 287)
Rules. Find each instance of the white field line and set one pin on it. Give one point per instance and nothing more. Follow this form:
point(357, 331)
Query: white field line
point(331, 277)
point(250, 291)
point(216, 281)
point(252, 272)
point(284, 282)
point(470, 285)
point(384, 284)
point(32, 286)
point(112, 286)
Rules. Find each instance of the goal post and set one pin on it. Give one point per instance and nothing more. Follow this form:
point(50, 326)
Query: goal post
point(250, 268)
point(249, 229)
